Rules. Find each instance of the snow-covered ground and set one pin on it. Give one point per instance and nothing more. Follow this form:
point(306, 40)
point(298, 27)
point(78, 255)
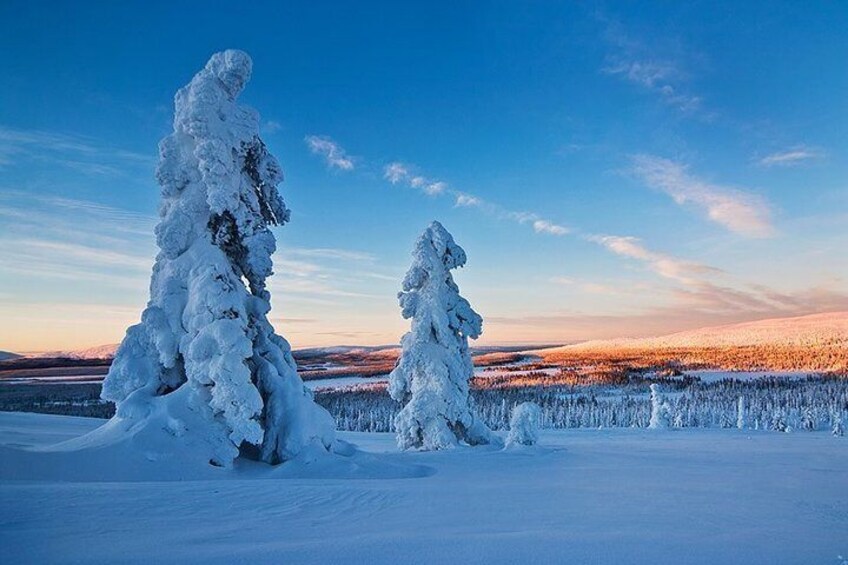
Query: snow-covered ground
point(590, 496)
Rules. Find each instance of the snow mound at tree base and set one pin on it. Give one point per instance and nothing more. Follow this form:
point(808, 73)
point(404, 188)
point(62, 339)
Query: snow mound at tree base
point(169, 439)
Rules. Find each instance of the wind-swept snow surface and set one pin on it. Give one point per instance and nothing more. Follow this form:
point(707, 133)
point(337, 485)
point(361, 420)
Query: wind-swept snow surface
point(204, 365)
point(431, 377)
point(692, 497)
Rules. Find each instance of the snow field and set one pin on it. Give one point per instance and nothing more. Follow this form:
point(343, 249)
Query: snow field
point(579, 496)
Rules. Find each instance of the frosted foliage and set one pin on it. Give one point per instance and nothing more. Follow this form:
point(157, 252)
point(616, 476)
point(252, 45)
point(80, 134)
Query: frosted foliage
point(524, 424)
point(205, 326)
point(432, 374)
point(659, 410)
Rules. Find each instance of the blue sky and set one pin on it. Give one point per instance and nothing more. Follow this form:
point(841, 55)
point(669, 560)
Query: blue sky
point(611, 169)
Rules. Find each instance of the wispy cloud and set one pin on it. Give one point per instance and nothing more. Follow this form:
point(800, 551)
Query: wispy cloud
point(663, 76)
point(467, 200)
point(398, 172)
point(699, 292)
point(664, 265)
point(740, 212)
point(402, 173)
point(544, 226)
point(91, 248)
point(589, 287)
point(330, 253)
point(791, 157)
point(539, 224)
point(395, 172)
point(334, 155)
point(271, 127)
point(76, 152)
point(688, 310)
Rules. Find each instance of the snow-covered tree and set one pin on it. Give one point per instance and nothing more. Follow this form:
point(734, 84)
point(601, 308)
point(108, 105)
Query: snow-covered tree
point(432, 374)
point(204, 345)
point(837, 429)
point(524, 424)
point(808, 419)
point(741, 422)
point(778, 421)
point(659, 409)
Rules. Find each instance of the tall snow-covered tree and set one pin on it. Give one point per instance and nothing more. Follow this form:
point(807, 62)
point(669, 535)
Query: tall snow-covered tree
point(204, 342)
point(432, 374)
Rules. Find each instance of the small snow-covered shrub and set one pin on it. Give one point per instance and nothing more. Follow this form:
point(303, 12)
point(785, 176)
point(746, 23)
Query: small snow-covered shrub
point(524, 424)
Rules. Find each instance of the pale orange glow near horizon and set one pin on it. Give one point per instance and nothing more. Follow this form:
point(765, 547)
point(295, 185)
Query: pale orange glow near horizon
point(49, 328)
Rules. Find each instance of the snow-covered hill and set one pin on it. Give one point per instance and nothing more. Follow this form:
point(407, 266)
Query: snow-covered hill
point(99, 352)
point(813, 330)
point(7, 355)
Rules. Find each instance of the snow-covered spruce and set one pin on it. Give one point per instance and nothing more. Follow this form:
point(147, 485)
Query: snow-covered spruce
point(837, 428)
point(659, 410)
point(432, 374)
point(204, 349)
point(741, 420)
point(524, 424)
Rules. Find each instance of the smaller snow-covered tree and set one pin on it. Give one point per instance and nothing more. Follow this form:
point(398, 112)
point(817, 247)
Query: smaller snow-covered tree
point(837, 428)
point(778, 421)
point(432, 374)
point(524, 424)
point(808, 419)
point(659, 410)
point(741, 422)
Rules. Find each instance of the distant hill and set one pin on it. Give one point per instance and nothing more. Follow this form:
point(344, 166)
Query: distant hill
point(829, 329)
point(98, 352)
point(7, 355)
point(376, 351)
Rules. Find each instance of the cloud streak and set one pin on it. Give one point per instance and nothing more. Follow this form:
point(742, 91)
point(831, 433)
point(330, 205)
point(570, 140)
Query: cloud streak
point(791, 157)
point(402, 173)
point(74, 152)
point(397, 173)
point(740, 212)
point(664, 265)
point(334, 155)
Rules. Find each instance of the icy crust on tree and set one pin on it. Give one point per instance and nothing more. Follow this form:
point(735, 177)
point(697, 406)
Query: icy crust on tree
point(206, 325)
point(432, 374)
